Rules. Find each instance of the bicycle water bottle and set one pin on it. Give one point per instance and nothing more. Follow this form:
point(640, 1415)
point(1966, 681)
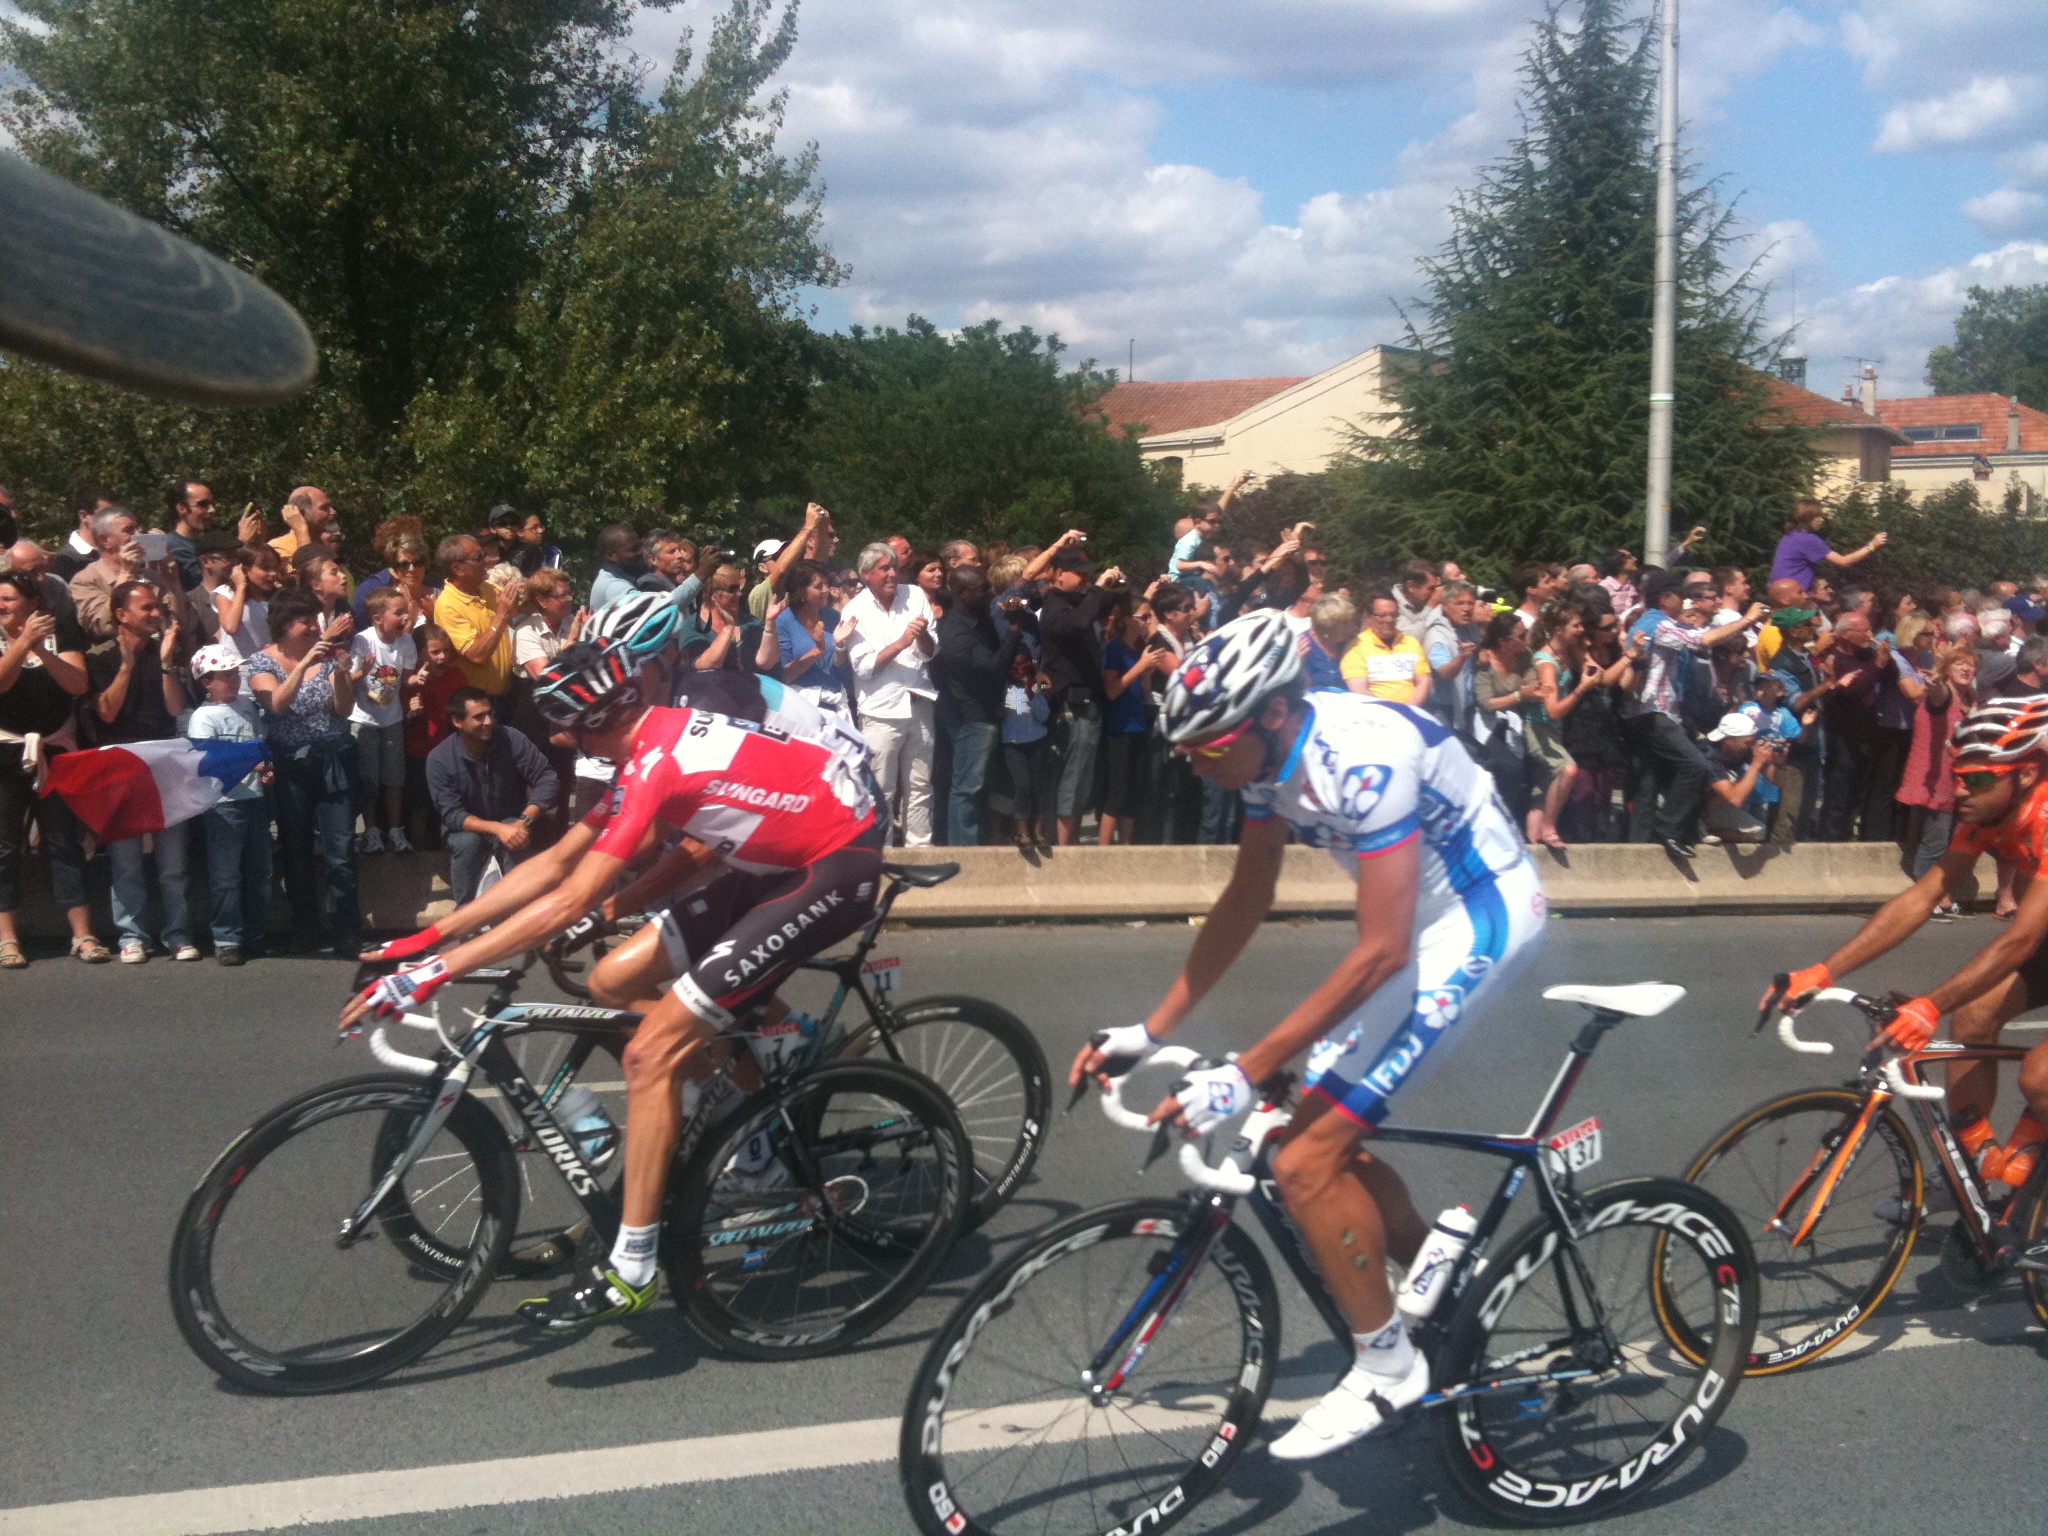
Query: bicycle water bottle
point(596, 1133)
point(1428, 1276)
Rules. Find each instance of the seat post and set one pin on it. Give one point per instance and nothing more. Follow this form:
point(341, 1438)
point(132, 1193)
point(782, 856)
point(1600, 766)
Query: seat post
point(1593, 1029)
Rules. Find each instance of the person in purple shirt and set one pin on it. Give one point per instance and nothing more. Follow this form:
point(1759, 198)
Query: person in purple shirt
point(1802, 550)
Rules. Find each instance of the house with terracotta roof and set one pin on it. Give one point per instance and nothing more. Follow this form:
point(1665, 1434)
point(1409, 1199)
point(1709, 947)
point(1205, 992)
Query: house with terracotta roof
point(1215, 428)
point(1989, 441)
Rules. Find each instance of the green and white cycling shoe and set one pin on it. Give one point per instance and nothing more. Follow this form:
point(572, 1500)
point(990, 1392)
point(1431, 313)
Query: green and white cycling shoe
point(600, 1296)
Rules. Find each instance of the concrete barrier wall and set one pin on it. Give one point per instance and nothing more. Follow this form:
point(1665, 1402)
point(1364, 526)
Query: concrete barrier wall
point(401, 891)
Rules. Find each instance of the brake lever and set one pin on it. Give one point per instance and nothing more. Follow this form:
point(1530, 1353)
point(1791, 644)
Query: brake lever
point(1780, 984)
point(1161, 1140)
point(1116, 1068)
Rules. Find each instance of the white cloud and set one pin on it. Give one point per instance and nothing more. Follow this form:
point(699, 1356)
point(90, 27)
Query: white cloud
point(1987, 105)
point(2008, 211)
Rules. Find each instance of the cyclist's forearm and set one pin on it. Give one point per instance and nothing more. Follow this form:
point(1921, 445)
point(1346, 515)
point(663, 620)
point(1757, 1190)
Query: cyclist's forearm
point(533, 925)
point(1218, 942)
point(523, 883)
point(1890, 926)
point(668, 872)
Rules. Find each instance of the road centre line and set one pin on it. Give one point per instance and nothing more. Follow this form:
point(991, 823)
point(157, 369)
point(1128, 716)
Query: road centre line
point(582, 1474)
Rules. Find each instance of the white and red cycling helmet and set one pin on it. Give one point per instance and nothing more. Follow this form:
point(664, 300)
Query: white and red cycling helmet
point(2004, 731)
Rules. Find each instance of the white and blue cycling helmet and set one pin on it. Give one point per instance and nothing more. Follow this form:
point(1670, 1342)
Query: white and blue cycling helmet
point(1228, 676)
point(645, 623)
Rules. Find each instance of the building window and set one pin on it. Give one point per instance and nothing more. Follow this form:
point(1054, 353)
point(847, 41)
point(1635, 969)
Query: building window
point(1955, 432)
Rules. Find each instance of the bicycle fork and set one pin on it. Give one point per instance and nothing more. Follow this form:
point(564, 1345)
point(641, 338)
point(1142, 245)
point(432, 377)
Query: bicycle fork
point(1156, 1303)
point(453, 1087)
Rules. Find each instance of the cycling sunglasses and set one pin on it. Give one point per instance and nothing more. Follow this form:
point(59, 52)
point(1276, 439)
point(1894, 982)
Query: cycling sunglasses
point(1219, 746)
point(1974, 781)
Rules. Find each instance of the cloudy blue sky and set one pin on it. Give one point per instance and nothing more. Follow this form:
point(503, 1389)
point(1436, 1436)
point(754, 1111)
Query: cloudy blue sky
point(1244, 188)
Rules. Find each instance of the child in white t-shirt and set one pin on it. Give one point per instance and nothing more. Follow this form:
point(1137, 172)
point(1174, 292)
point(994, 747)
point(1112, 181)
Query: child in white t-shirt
point(238, 824)
point(382, 657)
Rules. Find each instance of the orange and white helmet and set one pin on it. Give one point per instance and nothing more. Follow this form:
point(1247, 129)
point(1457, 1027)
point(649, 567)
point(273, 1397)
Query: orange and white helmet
point(2003, 731)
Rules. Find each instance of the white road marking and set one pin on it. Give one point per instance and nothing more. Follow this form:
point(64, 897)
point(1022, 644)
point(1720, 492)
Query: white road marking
point(658, 1464)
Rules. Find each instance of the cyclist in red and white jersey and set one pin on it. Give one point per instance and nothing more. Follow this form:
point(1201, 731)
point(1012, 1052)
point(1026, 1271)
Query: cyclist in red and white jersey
point(793, 822)
point(2001, 767)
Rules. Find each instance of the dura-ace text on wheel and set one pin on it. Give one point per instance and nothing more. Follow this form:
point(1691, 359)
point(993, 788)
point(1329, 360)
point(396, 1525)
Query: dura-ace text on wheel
point(275, 1291)
point(1000, 1435)
point(1566, 1451)
point(1767, 1166)
point(811, 1215)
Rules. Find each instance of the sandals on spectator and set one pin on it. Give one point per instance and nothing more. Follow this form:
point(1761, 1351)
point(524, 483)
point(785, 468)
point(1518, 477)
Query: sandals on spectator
point(91, 950)
point(11, 957)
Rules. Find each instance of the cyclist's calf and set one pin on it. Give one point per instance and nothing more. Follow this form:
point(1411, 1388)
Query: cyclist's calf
point(1351, 1209)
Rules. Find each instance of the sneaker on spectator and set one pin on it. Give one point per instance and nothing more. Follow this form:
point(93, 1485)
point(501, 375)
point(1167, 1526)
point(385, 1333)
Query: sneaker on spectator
point(395, 841)
point(186, 952)
point(370, 840)
point(227, 954)
point(133, 952)
point(1947, 912)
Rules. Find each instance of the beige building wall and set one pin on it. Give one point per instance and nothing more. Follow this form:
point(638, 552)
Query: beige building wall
point(1921, 476)
point(1296, 431)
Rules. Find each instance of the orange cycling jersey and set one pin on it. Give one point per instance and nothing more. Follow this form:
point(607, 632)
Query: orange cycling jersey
point(2021, 840)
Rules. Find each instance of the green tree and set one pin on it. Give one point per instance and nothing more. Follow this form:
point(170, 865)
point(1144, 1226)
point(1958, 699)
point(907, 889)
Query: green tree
point(1524, 424)
point(981, 434)
point(1946, 537)
point(2001, 347)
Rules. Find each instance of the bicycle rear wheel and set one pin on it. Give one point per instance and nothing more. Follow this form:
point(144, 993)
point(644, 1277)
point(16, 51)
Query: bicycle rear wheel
point(812, 1214)
point(268, 1295)
point(1001, 1434)
point(987, 1061)
point(2030, 1226)
point(1551, 1452)
point(1815, 1296)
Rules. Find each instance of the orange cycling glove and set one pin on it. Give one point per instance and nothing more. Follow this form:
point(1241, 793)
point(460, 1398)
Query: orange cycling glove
point(1915, 1025)
point(1800, 985)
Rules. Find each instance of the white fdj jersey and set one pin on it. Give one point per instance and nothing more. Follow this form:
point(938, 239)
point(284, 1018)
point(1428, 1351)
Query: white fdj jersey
point(1366, 777)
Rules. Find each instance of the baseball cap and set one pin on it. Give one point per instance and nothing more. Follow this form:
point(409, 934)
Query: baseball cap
point(1733, 727)
point(1783, 679)
point(2025, 609)
point(768, 549)
point(96, 291)
point(1072, 559)
point(1785, 618)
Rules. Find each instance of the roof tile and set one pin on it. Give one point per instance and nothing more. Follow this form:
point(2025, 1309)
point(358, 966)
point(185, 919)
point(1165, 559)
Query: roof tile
point(1987, 411)
point(1176, 407)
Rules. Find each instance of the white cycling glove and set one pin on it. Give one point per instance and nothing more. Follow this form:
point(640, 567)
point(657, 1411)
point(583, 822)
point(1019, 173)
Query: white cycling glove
point(1213, 1095)
point(1127, 1042)
point(403, 990)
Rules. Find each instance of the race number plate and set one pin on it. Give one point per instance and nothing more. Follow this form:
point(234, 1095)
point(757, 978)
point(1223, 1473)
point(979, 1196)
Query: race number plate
point(884, 973)
point(1576, 1148)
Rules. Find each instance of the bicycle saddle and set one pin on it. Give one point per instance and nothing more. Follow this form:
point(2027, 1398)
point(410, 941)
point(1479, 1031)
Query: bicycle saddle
point(921, 876)
point(1639, 999)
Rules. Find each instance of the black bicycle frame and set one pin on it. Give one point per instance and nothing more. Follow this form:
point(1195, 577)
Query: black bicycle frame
point(1211, 1212)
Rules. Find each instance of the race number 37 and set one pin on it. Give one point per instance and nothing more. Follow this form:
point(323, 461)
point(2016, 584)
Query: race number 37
point(1576, 1148)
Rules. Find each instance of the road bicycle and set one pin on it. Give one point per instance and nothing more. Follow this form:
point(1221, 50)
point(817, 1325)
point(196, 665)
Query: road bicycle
point(1829, 1184)
point(984, 1057)
point(355, 1226)
point(1105, 1377)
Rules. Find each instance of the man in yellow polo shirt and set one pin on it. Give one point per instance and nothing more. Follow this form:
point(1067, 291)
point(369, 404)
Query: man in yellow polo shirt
point(1384, 662)
point(476, 615)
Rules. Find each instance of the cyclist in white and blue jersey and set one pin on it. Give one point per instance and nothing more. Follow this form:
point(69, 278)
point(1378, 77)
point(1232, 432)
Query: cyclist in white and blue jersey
point(1449, 906)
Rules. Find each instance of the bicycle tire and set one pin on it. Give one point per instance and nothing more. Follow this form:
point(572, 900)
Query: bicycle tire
point(227, 1334)
point(1505, 1447)
point(1005, 1120)
point(2029, 1218)
point(1810, 1303)
point(827, 1209)
point(547, 1240)
point(1114, 1245)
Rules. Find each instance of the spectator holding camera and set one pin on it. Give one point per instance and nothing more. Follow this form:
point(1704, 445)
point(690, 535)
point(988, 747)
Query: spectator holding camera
point(973, 665)
point(380, 659)
point(1737, 761)
point(121, 556)
point(1072, 657)
point(489, 785)
point(304, 683)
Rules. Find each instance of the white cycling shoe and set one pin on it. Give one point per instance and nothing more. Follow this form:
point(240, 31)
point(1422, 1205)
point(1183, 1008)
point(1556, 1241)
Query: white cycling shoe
point(1351, 1410)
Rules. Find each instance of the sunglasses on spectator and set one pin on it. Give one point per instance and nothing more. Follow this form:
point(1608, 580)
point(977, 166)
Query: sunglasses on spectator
point(405, 565)
point(1219, 746)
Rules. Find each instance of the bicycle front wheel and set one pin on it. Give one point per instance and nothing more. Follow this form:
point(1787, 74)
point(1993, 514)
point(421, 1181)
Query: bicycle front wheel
point(987, 1061)
point(1002, 1434)
point(811, 1215)
point(2030, 1226)
point(269, 1294)
point(1768, 1166)
point(1592, 1405)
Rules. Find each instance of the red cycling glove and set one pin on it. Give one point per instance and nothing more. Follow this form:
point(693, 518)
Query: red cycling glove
point(1801, 984)
point(406, 989)
point(412, 944)
point(1914, 1027)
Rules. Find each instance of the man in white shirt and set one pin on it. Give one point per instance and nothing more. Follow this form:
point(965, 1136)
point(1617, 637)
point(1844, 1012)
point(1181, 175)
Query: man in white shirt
point(894, 635)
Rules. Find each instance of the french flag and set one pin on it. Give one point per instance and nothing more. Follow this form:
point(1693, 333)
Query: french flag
point(145, 786)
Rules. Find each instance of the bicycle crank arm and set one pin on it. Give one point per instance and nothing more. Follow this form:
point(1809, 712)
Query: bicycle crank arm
point(453, 1086)
point(1503, 1384)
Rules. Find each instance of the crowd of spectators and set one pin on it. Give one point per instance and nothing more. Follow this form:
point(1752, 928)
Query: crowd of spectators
point(1008, 695)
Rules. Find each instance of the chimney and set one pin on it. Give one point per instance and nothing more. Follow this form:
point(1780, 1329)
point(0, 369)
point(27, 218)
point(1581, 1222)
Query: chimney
point(1869, 389)
point(2012, 425)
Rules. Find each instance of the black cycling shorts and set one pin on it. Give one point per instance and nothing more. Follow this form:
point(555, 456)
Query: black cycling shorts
point(733, 939)
point(2033, 974)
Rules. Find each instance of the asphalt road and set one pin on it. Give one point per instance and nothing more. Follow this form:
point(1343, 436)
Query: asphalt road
point(121, 1085)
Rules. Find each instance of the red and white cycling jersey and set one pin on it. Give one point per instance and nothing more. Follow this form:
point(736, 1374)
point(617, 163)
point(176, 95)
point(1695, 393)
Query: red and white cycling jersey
point(758, 797)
